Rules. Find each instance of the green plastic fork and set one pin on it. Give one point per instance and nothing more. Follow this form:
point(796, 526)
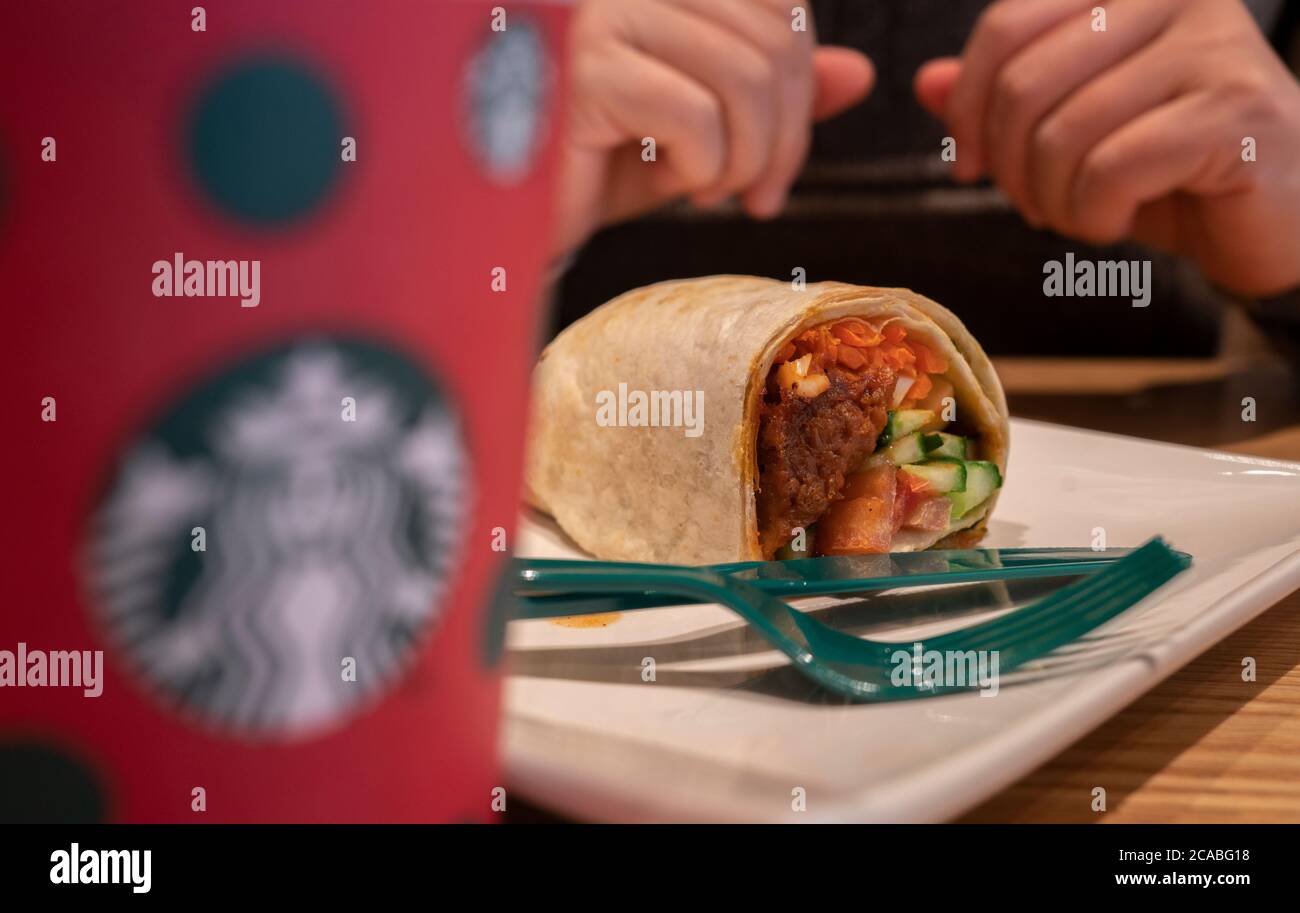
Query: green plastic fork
point(868, 670)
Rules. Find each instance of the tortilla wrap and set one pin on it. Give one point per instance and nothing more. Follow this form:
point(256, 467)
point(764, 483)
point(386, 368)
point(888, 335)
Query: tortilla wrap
point(656, 494)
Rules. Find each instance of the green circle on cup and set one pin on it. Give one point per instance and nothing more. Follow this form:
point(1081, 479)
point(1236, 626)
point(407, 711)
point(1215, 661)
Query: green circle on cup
point(264, 140)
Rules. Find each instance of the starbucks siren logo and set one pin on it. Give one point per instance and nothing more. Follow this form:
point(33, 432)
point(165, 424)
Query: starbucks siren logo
point(321, 537)
point(506, 87)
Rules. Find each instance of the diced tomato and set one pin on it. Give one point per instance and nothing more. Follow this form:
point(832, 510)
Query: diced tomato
point(855, 486)
point(903, 500)
point(916, 507)
point(895, 332)
point(874, 482)
point(860, 526)
point(915, 484)
point(786, 354)
point(931, 514)
point(862, 522)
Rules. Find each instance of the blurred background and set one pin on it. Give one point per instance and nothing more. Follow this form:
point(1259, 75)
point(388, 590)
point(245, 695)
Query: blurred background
point(875, 206)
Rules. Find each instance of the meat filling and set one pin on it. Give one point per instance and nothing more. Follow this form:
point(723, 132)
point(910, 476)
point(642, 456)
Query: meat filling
point(828, 397)
point(806, 446)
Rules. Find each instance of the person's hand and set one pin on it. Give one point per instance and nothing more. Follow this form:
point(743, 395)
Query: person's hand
point(727, 89)
point(1137, 131)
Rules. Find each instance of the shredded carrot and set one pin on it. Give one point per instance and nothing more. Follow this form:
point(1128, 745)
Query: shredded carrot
point(855, 344)
point(852, 358)
point(921, 389)
point(896, 357)
point(927, 360)
point(857, 333)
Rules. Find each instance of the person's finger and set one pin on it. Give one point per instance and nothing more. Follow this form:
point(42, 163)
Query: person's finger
point(1064, 138)
point(1003, 29)
point(768, 29)
point(766, 196)
point(934, 83)
point(640, 97)
point(1047, 71)
point(761, 23)
point(843, 77)
point(1163, 151)
point(838, 79)
point(741, 77)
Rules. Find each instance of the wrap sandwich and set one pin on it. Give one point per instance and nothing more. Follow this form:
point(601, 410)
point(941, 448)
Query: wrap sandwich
point(736, 418)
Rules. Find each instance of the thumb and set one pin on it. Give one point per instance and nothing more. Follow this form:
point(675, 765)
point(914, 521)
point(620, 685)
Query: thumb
point(843, 77)
point(934, 84)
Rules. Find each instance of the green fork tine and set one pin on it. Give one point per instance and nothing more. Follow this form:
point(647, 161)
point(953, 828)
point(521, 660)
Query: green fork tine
point(1045, 617)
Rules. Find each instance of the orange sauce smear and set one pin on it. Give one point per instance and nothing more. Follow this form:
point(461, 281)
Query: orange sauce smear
point(603, 620)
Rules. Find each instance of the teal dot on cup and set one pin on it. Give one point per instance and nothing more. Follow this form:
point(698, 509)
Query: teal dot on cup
point(42, 784)
point(264, 140)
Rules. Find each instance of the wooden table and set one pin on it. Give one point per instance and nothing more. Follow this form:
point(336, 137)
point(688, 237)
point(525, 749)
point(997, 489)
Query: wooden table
point(1203, 746)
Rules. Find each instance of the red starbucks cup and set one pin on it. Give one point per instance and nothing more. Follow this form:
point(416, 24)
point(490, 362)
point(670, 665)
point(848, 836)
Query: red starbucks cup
point(271, 274)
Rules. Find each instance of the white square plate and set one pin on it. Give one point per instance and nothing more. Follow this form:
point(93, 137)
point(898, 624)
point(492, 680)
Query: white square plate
point(728, 732)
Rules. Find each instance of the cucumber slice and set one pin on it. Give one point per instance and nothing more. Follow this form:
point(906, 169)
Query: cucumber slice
point(905, 450)
point(982, 479)
point(940, 476)
point(902, 423)
point(938, 446)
